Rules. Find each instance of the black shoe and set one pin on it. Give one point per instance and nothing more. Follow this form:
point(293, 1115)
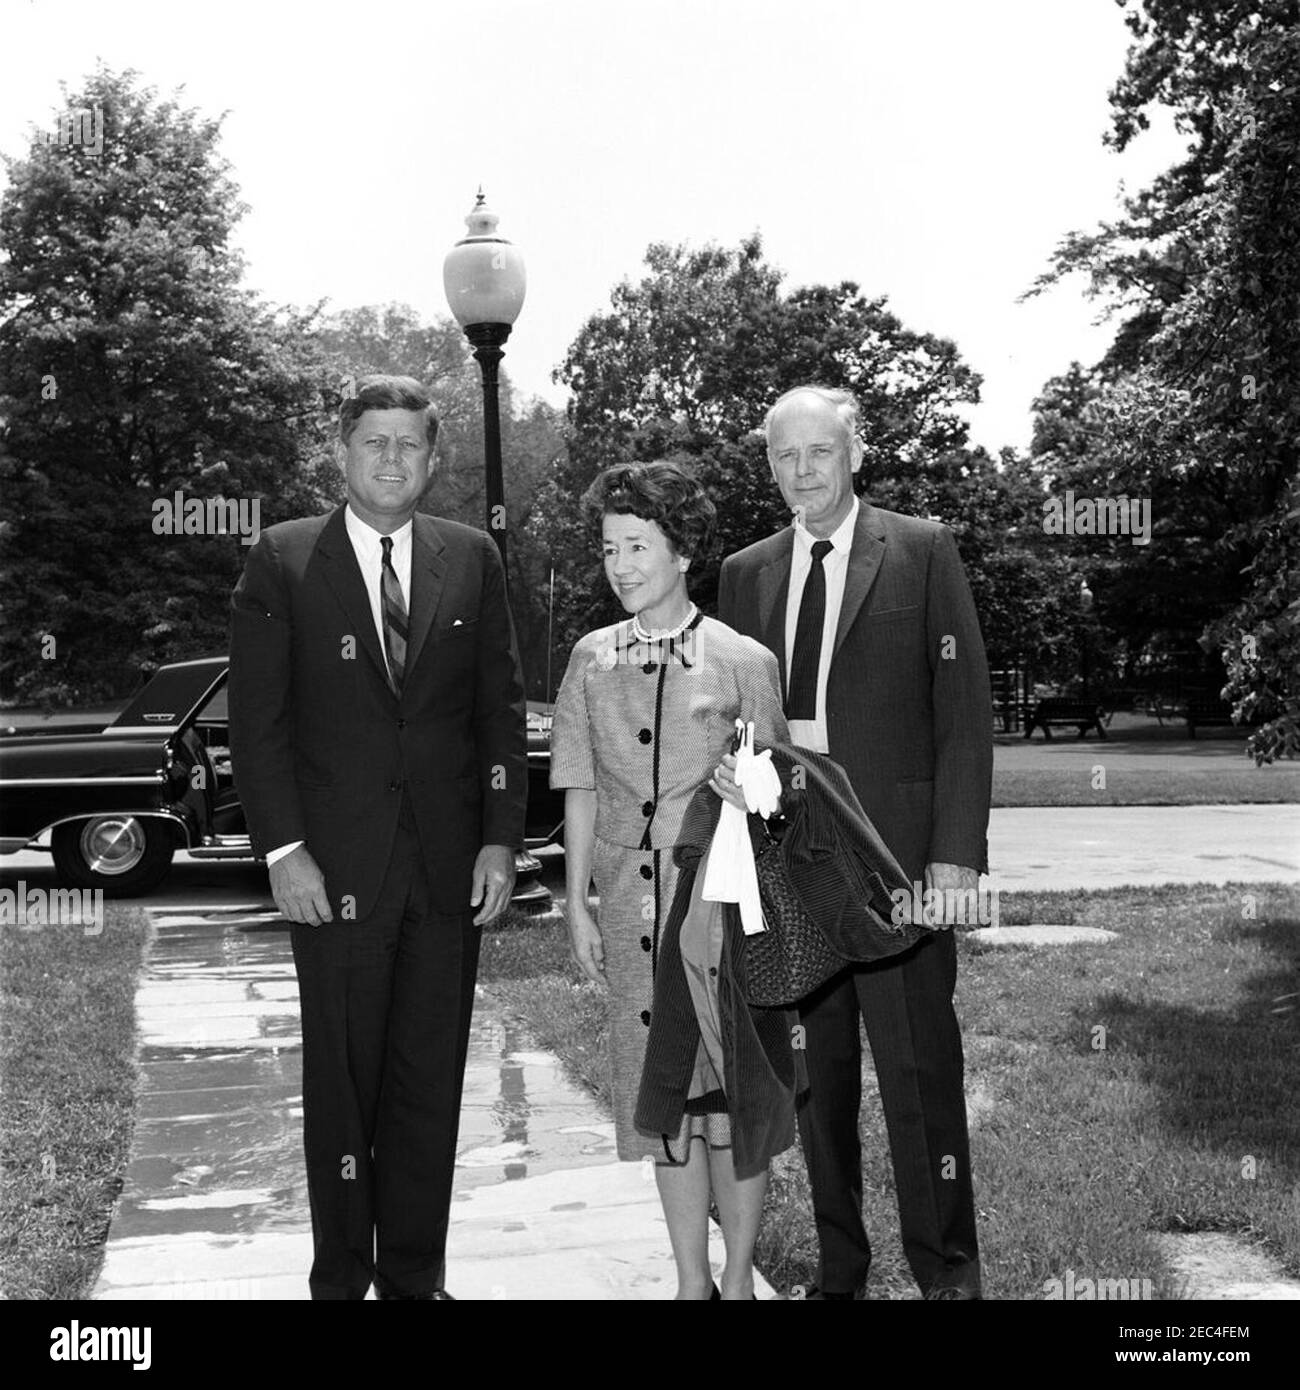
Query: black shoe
point(819, 1295)
point(716, 1295)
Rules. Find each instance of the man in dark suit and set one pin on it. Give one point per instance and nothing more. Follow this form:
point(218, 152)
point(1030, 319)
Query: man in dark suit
point(377, 732)
point(883, 668)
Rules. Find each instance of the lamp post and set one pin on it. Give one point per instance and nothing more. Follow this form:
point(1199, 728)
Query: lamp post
point(1085, 603)
point(483, 277)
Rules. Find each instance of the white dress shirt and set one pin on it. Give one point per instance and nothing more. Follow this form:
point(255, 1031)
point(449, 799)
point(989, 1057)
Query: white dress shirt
point(811, 733)
point(370, 556)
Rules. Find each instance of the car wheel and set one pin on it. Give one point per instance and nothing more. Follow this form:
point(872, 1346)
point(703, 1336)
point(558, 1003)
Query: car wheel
point(123, 855)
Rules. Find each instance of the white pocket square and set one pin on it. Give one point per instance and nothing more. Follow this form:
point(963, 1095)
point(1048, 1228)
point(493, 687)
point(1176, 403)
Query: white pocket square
point(458, 622)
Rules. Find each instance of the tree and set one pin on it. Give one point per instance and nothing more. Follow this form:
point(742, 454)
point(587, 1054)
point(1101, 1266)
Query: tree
point(684, 365)
point(1195, 58)
point(1200, 401)
point(133, 366)
point(1152, 600)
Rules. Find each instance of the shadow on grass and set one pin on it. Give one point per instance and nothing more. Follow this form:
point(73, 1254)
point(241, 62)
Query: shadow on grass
point(1222, 1082)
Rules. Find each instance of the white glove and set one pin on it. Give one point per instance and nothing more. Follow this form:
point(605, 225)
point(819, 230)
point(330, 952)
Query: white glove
point(756, 775)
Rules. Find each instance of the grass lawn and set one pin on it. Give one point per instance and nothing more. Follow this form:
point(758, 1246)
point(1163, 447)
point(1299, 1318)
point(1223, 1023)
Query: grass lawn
point(526, 963)
point(1130, 785)
point(67, 1097)
point(1142, 1086)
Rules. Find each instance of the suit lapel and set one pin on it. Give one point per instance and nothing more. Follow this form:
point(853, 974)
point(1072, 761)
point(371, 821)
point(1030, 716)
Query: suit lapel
point(428, 576)
point(865, 555)
point(343, 574)
point(773, 586)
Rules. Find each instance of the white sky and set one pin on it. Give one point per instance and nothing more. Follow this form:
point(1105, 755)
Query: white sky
point(931, 150)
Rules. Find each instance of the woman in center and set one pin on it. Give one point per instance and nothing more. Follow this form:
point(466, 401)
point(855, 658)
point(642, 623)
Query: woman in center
point(643, 719)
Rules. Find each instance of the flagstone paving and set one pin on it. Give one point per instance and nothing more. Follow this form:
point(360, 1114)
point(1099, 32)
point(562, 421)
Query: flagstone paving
point(215, 1203)
point(1040, 934)
point(1218, 1265)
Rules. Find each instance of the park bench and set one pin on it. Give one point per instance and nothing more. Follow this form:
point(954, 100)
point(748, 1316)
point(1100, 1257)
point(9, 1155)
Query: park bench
point(1205, 711)
point(1083, 714)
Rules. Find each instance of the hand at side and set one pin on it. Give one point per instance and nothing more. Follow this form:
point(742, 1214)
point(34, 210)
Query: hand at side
point(298, 887)
point(586, 943)
point(945, 880)
point(494, 881)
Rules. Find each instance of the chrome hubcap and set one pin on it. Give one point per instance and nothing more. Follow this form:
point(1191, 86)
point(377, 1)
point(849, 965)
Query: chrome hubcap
point(112, 844)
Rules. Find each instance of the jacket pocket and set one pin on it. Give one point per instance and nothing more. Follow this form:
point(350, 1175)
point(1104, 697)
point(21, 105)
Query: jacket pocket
point(456, 633)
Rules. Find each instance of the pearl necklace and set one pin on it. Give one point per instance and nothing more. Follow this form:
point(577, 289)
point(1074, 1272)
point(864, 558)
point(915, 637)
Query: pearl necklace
point(642, 635)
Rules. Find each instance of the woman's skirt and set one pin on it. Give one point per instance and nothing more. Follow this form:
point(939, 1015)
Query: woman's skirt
point(636, 889)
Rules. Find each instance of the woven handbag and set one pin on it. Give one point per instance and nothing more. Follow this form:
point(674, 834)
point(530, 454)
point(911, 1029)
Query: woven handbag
point(792, 958)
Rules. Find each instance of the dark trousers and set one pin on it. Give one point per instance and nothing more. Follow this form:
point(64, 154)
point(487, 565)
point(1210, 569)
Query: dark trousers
point(386, 1005)
point(906, 1004)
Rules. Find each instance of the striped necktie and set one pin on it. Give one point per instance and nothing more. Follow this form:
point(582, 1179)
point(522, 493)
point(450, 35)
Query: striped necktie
point(394, 610)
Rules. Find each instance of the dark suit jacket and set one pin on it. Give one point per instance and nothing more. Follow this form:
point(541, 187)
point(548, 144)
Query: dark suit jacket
point(909, 709)
point(844, 876)
point(323, 750)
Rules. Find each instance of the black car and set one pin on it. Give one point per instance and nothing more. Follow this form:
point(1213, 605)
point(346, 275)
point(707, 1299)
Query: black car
point(113, 803)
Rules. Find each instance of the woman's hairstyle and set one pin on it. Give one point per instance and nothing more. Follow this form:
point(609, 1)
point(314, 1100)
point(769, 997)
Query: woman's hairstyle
point(386, 393)
point(662, 492)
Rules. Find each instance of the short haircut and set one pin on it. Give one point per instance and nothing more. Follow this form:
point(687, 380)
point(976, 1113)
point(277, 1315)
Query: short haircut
point(844, 402)
point(662, 492)
point(387, 393)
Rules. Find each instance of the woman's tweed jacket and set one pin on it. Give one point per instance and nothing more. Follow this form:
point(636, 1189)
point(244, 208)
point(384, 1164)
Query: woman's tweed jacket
point(844, 876)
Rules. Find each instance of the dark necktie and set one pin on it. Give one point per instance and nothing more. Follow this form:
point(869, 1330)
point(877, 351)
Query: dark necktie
point(393, 608)
point(801, 701)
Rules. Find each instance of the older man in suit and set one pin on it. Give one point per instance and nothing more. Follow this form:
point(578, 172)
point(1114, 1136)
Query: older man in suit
point(378, 736)
point(883, 668)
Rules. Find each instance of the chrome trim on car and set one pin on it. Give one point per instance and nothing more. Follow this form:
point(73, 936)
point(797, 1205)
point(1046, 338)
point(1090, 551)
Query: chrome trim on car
point(223, 847)
point(154, 779)
point(156, 813)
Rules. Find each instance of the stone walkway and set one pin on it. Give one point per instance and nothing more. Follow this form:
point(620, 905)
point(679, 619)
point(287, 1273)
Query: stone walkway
point(1218, 1265)
point(1093, 847)
point(215, 1201)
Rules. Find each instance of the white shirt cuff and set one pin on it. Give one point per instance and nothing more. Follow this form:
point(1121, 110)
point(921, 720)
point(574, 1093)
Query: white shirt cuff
point(275, 854)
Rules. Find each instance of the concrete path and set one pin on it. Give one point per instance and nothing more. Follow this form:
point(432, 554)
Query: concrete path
point(1111, 846)
point(215, 1202)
